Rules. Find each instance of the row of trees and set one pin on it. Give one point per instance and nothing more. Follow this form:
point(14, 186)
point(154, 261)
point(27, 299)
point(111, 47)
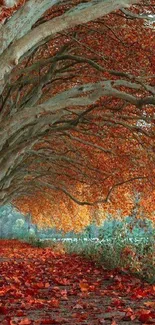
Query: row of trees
point(76, 105)
point(13, 223)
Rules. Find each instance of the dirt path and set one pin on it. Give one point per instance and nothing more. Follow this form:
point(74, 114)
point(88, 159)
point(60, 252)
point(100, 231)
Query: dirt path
point(38, 286)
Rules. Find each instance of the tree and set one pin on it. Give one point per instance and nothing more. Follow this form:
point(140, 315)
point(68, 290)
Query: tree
point(12, 223)
point(77, 102)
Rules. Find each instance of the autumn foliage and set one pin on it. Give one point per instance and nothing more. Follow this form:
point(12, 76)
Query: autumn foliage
point(102, 152)
point(40, 286)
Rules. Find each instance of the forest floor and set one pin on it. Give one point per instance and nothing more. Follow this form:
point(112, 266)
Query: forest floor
point(39, 286)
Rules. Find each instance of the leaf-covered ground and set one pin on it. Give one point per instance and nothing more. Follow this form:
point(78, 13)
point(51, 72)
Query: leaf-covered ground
point(39, 286)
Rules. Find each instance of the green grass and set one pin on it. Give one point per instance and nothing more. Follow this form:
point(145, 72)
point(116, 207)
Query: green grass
point(135, 259)
point(123, 245)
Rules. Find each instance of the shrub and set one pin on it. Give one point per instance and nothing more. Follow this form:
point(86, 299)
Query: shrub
point(119, 247)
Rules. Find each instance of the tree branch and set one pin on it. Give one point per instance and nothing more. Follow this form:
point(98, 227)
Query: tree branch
point(92, 10)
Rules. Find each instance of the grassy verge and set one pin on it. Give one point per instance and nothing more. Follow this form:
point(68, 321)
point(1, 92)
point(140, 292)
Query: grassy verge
point(138, 259)
point(119, 247)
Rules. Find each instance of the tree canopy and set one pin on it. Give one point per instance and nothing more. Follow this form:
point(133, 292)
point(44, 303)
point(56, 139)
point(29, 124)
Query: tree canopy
point(77, 114)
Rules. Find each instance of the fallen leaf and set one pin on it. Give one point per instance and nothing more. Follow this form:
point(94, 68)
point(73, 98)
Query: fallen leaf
point(25, 321)
point(3, 310)
point(78, 306)
point(113, 322)
point(54, 302)
point(84, 286)
point(47, 285)
point(150, 304)
point(145, 316)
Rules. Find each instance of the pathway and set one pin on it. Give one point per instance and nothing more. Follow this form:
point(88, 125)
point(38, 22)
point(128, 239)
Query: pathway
point(39, 286)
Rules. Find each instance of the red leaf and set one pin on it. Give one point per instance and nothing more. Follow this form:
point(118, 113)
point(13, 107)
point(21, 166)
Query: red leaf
point(145, 316)
point(3, 310)
point(117, 302)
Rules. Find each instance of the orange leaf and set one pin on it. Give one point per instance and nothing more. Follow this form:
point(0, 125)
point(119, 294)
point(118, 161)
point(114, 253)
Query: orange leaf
point(113, 322)
point(84, 286)
point(25, 321)
point(150, 304)
point(47, 285)
point(54, 302)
